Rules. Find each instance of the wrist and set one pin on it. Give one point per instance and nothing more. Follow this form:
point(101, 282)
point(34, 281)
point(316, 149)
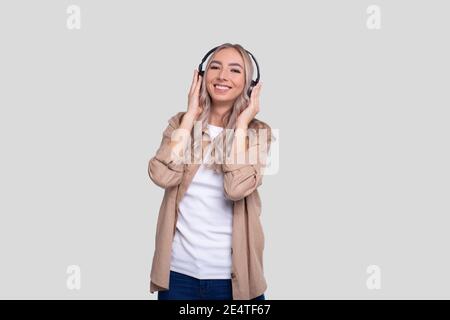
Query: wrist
point(241, 126)
point(191, 115)
point(188, 120)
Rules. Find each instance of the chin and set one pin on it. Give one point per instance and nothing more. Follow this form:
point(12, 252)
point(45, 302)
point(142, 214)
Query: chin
point(221, 97)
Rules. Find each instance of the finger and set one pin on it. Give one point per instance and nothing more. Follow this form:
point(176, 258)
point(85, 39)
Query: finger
point(199, 83)
point(253, 94)
point(258, 87)
point(194, 82)
point(257, 91)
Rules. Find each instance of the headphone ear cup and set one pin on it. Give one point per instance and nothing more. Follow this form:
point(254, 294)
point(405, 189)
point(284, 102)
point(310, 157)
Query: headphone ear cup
point(249, 92)
point(201, 72)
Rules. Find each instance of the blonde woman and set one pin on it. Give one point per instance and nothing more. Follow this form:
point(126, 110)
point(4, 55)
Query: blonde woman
point(209, 239)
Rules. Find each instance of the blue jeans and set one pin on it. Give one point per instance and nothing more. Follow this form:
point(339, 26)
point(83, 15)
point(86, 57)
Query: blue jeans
point(184, 287)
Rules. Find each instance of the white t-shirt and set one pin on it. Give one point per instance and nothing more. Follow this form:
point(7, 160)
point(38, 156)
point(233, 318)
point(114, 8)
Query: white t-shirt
point(202, 242)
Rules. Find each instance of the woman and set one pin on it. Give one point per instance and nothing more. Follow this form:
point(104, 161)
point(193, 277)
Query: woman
point(209, 239)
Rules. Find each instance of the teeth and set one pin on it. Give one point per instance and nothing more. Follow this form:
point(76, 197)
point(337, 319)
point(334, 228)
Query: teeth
point(221, 87)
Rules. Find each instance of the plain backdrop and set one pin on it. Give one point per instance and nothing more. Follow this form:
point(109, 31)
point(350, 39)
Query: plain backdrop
point(363, 141)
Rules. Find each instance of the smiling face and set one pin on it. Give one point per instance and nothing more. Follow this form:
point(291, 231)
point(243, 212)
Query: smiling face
point(225, 77)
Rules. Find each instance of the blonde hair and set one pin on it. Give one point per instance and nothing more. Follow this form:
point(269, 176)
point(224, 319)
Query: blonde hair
point(229, 119)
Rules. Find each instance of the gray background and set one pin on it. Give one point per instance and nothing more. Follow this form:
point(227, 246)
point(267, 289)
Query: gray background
point(363, 137)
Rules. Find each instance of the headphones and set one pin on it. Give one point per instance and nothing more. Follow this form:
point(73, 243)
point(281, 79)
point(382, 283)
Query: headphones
point(253, 83)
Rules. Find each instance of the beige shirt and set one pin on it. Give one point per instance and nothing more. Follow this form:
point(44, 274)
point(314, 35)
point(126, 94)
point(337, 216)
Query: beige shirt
point(240, 186)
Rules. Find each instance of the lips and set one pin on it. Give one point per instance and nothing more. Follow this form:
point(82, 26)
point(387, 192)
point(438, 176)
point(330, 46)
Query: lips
point(221, 89)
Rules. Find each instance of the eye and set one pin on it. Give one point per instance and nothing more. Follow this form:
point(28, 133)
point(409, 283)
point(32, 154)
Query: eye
point(233, 70)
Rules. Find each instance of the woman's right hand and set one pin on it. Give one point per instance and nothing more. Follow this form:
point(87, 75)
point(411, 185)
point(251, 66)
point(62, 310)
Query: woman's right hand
point(194, 96)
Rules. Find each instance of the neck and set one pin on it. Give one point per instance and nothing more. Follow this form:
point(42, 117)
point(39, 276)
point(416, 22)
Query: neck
point(217, 114)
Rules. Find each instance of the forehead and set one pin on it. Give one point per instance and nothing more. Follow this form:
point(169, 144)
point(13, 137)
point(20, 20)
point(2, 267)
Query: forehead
point(228, 55)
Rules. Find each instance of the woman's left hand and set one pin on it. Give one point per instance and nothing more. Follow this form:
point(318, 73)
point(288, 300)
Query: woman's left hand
point(251, 110)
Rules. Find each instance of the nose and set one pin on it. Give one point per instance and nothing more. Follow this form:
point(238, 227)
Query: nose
point(223, 74)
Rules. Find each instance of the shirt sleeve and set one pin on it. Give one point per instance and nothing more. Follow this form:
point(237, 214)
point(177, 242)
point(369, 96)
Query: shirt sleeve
point(162, 169)
point(241, 179)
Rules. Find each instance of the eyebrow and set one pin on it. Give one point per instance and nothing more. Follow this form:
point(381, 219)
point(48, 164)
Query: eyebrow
point(230, 64)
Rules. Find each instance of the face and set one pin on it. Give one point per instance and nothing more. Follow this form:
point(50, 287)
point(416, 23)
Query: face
point(225, 78)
